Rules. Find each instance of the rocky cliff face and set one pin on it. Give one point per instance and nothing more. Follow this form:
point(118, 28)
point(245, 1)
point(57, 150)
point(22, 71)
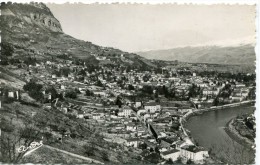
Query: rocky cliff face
point(35, 14)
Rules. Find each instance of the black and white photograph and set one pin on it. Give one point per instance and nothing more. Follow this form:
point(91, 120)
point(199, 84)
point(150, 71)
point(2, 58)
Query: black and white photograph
point(128, 83)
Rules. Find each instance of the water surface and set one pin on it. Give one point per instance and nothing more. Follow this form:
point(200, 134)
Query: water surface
point(208, 131)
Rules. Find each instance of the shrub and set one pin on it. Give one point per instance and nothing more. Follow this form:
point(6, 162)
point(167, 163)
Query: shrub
point(34, 90)
point(71, 94)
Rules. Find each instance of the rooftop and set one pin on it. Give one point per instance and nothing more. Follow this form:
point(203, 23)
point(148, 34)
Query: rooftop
point(192, 148)
point(170, 152)
point(151, 104)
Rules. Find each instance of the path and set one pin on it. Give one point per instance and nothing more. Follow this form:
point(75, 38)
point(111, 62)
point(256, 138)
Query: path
point(75, 155)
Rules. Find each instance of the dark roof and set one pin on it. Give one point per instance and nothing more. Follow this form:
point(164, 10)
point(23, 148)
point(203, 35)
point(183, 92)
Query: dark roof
point(151, 104)
point(192, 148)
point(132, 139)
point(170, 140)
point(169, 152)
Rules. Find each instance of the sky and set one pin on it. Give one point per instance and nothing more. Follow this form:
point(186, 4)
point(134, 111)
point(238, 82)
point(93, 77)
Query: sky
point(140, 27)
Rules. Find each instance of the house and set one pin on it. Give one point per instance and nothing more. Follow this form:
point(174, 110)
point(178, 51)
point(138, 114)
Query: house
point(62, 87)
point(64, 110)
point(164, 146)
point(210, 92)
point(127, 111)
point(244, 93)
point(237, 98)
point(193, 153)
point(138, 104)
point(172, 154)
point(131, 127)
point(141, 111)
point(132, 142)
point(100, 93)
point(240, 85)
point(152, 107)
point(11, 94)
point(120, 113)
point(96, 116)
point(53, 76)
point(80, 115)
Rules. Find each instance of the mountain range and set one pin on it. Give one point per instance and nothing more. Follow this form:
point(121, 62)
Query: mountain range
point(239, 54)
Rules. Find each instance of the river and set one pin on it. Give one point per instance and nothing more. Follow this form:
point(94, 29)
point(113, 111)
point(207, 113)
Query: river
point(208, 131)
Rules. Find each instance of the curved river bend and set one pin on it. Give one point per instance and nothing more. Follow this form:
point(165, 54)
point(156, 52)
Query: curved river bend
point(208, 131)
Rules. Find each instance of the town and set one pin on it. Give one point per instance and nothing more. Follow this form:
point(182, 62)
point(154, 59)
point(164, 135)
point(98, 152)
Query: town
point(143, 111)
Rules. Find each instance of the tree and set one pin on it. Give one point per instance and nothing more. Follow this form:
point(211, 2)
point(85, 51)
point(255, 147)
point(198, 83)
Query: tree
point(216, 101)
point(147, 89)
point(7, 49)
point(89, 93)
point(71, 94)
point(143, 146)
point(105, 156)
point(169, 161)
point(89, 150)
point(34, 90)
point(193, 92)
point(189, 161)
point(65, 71)
point(131, 87)
point(9, 143)
point(53, 92)
point(119, 102)
point(99, 83)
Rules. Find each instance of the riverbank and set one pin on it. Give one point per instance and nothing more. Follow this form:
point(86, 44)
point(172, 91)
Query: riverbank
point(184, 118)
point(213, 108)
point(196, 112)
point(234, 134)
point(207, 130)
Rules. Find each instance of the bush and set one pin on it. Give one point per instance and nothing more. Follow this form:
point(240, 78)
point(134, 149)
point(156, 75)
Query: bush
point(34, 90)
point(71, 94)
point(105, 156)
point(7, 49)
point(6, 126)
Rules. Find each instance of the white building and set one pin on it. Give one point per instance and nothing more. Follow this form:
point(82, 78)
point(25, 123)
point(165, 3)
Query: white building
point(100, 93)
point(96, 116)
point(152, 107)
point(11, 94)
point(210, 92)
point(127, 111)
point(133, 142)
point(240, 85)
point(173, 154)
point(138, 104)
point(193, 153)
point(131, 127)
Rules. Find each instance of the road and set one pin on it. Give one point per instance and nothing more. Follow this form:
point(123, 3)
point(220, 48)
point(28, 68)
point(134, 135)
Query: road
point(75, 155)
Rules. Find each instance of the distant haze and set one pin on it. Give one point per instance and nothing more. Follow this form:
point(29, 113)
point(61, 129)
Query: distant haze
point(150, 27)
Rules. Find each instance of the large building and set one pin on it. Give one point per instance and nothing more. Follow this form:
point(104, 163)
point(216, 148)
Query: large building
point(152, 107)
